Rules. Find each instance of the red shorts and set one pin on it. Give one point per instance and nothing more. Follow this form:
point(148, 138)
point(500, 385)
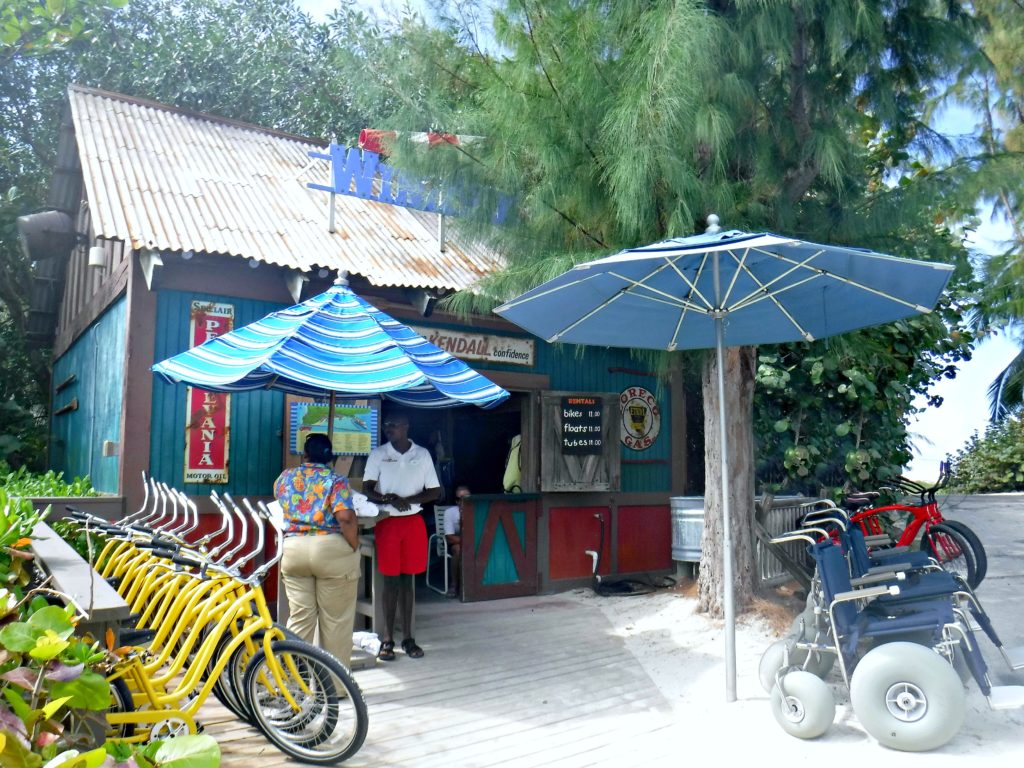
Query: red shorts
point(401, 545)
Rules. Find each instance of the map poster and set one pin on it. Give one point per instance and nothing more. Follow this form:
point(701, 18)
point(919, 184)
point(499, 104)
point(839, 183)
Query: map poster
point(356, 425)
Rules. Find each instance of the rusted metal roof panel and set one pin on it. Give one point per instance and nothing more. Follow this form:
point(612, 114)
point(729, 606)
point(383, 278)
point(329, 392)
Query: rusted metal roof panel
point(160, 178)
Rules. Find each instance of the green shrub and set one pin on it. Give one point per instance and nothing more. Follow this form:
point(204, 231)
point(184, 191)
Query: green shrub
point(990, 463)
point(53, 687)
point(28, 485)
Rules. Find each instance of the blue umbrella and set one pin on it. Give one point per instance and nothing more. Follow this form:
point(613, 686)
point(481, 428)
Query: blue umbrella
point(333, 344)
point(723, 289)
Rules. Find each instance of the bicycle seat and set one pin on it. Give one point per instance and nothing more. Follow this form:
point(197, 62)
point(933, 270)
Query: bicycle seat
point(136, 636)
point(854, 503)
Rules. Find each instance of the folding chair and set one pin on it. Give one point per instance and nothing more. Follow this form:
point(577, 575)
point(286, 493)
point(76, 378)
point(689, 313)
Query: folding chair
point(437, 546)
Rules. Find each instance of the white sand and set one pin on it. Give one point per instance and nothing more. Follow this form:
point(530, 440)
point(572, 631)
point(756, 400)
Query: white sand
point(683, 652)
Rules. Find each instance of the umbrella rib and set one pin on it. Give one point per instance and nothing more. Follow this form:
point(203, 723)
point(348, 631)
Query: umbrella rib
point(693, 284)
point(735, 275)
point(658, 295)
point(778, 305)
point(587, 316)
point(693, 289)
point(526, 299)
point(762, 288)
point(755, 296)
point(668, 299)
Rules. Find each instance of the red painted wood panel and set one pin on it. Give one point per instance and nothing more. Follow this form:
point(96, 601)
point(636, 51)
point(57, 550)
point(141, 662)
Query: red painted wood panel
point(645, 538)
point(572, 531)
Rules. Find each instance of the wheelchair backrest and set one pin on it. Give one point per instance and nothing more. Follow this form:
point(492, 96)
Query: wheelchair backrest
point(833, 571)
point(857, 548)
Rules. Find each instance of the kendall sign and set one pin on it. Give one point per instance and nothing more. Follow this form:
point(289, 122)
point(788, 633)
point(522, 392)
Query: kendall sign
point(480, 346)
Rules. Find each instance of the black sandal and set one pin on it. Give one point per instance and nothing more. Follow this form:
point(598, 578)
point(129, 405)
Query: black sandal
point(387, 651)
point(412, 650)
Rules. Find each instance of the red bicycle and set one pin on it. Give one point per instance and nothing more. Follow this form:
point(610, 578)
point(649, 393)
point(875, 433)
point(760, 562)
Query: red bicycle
point(902, 524)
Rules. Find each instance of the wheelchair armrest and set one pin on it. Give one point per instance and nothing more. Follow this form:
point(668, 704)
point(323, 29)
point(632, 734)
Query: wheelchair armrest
point(894, 550)
point(878, 539)
point(878, 578)
point(896, 567)
point(869, 593)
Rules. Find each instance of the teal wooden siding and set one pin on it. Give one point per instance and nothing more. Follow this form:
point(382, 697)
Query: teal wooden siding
point(255, 454)
point(593, 371)
point(96, 360)
point(255, 450)
point(589, 369)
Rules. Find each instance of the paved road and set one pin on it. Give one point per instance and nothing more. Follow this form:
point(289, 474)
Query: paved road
point(999, 521)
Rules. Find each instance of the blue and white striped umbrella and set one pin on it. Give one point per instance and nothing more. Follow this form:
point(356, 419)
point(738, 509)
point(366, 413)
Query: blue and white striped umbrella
point(333, 344)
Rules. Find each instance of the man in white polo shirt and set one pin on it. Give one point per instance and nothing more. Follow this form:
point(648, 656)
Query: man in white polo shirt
point(400, 478)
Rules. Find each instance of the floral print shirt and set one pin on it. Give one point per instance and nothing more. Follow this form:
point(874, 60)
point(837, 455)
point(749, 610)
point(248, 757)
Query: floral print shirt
point(310, 494)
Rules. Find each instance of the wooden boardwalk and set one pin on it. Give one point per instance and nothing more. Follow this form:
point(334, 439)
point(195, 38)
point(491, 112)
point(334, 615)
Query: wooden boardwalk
point(520, 682)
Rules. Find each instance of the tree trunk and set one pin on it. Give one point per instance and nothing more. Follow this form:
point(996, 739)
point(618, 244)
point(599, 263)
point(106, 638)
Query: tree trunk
point(740, 365)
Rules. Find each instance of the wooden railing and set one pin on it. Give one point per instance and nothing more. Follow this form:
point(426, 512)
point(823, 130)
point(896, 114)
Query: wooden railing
point(74, 577)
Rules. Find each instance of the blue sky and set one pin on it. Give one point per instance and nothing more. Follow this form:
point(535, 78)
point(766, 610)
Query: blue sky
point(937, 431)
point(941, 431)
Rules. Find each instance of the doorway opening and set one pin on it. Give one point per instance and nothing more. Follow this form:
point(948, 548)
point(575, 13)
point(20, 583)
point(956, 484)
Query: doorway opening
point(480, 444)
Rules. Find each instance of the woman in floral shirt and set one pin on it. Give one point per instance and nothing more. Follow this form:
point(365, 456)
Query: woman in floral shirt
point(320, 567)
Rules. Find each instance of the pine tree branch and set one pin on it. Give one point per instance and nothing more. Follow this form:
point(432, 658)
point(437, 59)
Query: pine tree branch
point(800, 179)
point(554, 90)
point(1004, 197)
point(484, 58)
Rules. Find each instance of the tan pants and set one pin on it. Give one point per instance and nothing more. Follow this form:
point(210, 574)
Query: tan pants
point(321, 578)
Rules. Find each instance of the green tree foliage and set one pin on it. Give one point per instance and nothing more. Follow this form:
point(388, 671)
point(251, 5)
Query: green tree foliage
point(37, 26)
point(992, 462)
point(260, 61)
point(22, 397)
point(32, 35)
point(994, 89)
point(616, 125)
point(832, 416)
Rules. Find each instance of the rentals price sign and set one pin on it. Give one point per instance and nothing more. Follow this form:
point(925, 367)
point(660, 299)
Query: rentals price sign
point(582, 425)
point(207, 425)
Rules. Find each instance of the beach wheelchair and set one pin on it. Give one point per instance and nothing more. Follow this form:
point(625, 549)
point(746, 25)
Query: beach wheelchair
point(902, 634)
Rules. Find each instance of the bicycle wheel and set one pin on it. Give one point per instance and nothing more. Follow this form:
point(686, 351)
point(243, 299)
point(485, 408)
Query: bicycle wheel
point(229, 685)
point(951, 550)
point(121, 702)
point(978, 549)
point(326, 720)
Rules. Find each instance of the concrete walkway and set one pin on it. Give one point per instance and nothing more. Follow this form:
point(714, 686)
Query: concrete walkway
point(577, 680)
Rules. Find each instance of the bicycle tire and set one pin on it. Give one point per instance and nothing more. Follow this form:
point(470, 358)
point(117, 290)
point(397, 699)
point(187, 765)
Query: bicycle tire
point(123, 702)
point(952, 551)
point(225, 687)
point(331, 722)
point(228, 687)
point(980, 556)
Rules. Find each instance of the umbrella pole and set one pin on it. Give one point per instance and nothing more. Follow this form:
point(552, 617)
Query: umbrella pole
point(330, 420)
point(730, 618)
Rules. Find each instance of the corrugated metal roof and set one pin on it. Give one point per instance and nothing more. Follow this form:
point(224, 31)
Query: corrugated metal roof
point(160, 178)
